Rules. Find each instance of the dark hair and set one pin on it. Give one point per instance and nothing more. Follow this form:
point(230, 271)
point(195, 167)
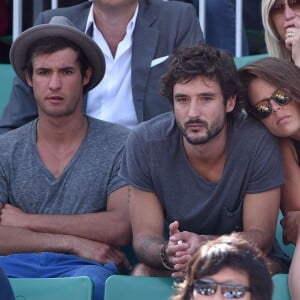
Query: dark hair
point(234, 252)
point(279, 72)
point(201, 60)
point(51, 45)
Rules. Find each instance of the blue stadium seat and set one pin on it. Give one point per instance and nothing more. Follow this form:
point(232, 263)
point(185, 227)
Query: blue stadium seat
point(281, 289)
point(6, 78)
point(138, 287)
point(67, 288)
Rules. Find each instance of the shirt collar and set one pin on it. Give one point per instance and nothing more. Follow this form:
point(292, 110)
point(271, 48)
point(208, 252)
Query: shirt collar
point(130, 26)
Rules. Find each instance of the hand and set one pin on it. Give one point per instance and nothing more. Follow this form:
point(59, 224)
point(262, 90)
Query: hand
point(181, 247)
point(292, 39)
point(291, 227)
point(13, 216)
point(100, 252)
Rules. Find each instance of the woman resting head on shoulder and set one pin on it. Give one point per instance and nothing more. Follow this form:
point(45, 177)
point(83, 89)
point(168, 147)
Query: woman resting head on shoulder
point(272, 95)
point(228, 267)
point(281, 20)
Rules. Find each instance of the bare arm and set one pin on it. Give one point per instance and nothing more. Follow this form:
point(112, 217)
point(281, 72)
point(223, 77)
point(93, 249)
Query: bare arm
point(19, 240)
point(290, 203)
point(110, 227)
point(291, 189)
point(147, 221)
point(260, 213)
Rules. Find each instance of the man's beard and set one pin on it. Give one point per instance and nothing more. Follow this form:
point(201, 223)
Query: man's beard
point(212, 132)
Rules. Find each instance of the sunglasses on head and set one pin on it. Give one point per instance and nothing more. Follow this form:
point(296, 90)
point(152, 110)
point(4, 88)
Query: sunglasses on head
point(207, 287)
point(279, 6)
point(262, 109)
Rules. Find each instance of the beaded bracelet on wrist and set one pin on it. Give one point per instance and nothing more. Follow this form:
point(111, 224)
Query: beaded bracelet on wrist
point(163, 258)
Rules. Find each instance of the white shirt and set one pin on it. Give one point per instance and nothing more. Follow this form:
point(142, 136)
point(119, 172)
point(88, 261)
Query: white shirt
point(112, 99)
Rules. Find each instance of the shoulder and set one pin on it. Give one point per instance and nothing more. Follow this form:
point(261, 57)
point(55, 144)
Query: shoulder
point(66, 10)
point(16, 136)
point(74, 13)
point(157, 129)
point(107, 132)
point(168, 6)
point(248, 128)
point(13, 143)
point(167, 12)
point(289, 150)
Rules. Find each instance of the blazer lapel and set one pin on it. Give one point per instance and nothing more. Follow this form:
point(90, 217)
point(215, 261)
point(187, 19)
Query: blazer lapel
point(145, 39)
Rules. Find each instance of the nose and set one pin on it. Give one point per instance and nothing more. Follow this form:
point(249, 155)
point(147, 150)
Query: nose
point(288, 12)
point(217, 296)
point(194, 110)
point(274, 105)
point(55, 81)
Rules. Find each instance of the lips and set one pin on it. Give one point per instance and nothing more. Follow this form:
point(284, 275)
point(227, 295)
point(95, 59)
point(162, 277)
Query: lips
point(55, 99)
point(282, 119)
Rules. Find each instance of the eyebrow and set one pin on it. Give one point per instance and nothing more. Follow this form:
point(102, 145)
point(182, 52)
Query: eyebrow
point(67, 68)
point(200, 94)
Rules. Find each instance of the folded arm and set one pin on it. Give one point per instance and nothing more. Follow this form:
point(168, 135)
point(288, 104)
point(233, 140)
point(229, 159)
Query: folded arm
point(110, 227)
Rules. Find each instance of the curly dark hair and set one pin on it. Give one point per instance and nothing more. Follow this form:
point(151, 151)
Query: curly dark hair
point(201, 60)
point(234, 252)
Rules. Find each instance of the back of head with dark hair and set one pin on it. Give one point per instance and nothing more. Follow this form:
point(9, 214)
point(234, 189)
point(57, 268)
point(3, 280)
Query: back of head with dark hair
point(229, 251)
point(201, 60)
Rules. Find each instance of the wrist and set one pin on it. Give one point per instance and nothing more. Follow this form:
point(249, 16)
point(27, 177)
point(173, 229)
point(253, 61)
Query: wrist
point(164, 258)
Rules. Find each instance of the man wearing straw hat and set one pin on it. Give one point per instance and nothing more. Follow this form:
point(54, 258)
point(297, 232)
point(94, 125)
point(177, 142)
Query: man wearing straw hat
point(63, 208)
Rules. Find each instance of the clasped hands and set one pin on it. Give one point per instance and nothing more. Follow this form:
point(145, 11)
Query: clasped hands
point(180, 248)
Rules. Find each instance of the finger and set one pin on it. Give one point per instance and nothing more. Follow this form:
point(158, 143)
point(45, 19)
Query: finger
point(178, 275)
point(126, 264)
point(173, 228)
point(181, 253)
point(121, 259)
point(289, 44)
point(180, 260)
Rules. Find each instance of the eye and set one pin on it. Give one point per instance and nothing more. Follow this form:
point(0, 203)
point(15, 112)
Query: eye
point(43, 72)
point(277, 6)
point(206, 98)
point(67, 71)
point(293, 2)
point(181, 100)
point(262, 106)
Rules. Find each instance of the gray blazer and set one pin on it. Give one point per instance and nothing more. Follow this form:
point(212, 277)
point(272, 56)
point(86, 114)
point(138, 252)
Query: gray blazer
point(161, 27)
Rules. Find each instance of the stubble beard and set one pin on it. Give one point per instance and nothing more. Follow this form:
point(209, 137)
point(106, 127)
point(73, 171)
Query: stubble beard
point(211, 132)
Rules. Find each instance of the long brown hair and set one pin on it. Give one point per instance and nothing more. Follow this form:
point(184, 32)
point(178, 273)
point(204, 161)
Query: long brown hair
point(279, 72)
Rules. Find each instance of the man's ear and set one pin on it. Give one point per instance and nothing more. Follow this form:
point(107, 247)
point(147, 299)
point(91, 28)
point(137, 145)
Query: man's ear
point(230, 104)
point(28, 78)
point(87, 76)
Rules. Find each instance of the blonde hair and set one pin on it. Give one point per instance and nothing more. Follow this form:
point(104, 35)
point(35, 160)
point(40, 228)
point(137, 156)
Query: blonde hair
point(275, 45)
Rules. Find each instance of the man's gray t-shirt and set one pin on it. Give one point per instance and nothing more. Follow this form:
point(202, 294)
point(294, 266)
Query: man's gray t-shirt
point(82, 187)
point(155, 161)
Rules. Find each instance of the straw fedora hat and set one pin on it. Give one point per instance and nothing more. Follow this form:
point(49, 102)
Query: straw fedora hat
point(59, 26)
